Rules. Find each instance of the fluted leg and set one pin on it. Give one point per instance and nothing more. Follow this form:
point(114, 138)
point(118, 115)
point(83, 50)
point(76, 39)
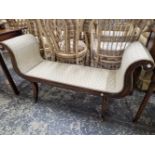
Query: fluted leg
point(35, 91)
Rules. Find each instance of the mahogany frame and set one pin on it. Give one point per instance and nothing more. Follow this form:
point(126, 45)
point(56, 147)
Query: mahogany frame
point(127, 89)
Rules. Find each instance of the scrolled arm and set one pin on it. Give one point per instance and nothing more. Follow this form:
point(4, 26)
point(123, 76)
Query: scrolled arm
point(25, 52)
point(136, 53)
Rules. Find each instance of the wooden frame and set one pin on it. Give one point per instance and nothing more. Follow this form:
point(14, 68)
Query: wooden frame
point(7, 34)
point(146, 98)
point(151, 88)
point(8, 75)
point(127, 89)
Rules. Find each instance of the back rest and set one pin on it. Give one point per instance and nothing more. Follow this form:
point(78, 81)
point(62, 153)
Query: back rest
point(25, 48)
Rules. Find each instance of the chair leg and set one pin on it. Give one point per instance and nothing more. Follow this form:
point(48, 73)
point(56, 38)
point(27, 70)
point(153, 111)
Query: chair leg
point(8, 75)
point(35, 90)
point(144, 102)
point(105, 104)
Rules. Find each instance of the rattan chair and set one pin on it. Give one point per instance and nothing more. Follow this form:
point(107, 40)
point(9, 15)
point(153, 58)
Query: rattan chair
point(112, 37)
point(64, 40)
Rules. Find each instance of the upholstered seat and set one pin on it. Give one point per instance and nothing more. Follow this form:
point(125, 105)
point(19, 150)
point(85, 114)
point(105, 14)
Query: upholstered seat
point(77, 75)
point(28, 63)
point(104, 80)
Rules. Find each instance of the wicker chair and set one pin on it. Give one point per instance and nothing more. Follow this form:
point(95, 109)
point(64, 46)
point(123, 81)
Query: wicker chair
point(111, 38)
point(64, 40)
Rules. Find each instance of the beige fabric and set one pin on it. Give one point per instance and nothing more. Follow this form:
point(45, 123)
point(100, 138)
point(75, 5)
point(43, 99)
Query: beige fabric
point(26, 51)
point(111, 81)
point(29, 61)
point(133, 53)
point(76, 75)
